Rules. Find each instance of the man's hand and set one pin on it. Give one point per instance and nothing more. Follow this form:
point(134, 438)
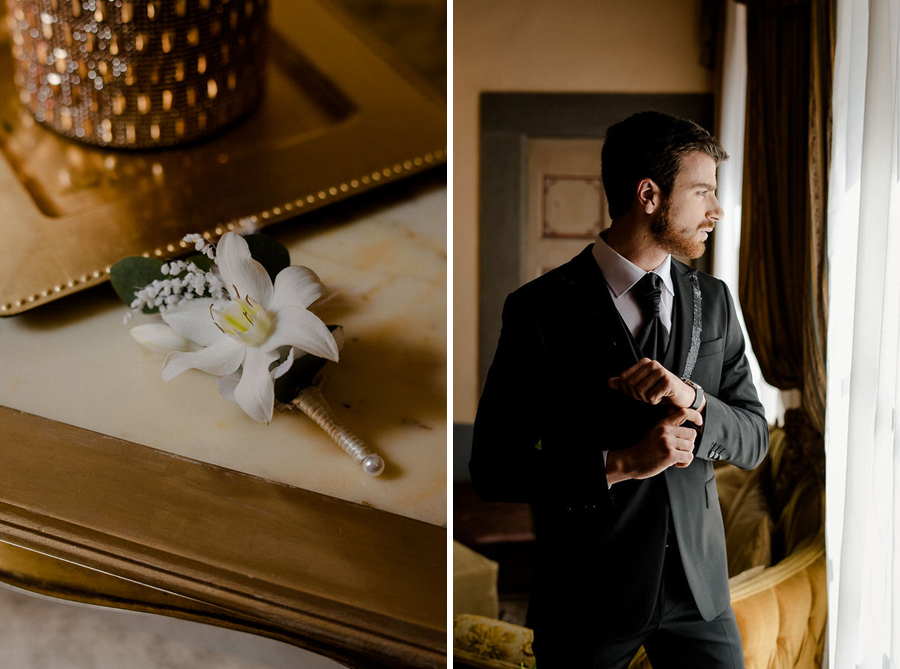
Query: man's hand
point(667, 443)
point(648, 381)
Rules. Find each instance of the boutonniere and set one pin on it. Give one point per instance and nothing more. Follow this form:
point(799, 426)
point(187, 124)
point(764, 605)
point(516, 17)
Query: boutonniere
point(241, 312)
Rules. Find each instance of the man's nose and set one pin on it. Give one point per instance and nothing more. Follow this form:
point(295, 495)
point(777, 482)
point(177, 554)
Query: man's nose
point(716, 213)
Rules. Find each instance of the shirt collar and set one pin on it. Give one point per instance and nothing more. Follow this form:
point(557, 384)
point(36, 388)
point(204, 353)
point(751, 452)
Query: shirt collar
point(621, 274)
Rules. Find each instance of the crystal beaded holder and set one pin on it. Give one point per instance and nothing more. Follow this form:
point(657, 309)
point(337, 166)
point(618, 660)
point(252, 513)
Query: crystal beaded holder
point(138, 73)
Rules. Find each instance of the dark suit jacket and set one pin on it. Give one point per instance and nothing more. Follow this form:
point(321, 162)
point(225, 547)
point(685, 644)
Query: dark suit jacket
point(600, 551)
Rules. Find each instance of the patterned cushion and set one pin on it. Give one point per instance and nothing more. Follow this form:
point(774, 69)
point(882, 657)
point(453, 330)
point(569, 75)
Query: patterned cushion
point(483, 642)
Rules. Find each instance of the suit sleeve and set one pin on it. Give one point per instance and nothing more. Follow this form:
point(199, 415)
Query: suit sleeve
point(505, 459)
point(735, 429)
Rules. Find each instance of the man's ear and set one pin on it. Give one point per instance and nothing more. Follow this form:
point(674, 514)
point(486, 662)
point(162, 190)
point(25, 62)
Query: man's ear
point(649, 195)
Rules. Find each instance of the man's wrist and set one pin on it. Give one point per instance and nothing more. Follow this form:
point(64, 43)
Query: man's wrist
point(615, 468)
point(684, 396)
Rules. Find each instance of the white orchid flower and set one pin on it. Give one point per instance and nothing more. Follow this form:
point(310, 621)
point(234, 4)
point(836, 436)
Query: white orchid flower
point(245, 332)
point(161, 338)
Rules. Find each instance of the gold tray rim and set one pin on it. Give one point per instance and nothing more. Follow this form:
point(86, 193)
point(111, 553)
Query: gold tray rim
point(406, 162)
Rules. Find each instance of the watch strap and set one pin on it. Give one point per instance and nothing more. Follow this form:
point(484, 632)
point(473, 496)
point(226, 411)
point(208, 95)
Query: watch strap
point(698, 397)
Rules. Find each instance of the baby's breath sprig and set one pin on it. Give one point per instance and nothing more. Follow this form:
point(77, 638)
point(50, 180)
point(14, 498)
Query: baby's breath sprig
point(201, 245)
point(188, 281)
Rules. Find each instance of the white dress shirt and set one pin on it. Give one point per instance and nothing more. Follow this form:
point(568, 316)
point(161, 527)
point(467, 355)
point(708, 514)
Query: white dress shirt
point(621, 276)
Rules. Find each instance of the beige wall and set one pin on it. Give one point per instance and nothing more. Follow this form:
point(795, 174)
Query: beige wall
point(614, 46)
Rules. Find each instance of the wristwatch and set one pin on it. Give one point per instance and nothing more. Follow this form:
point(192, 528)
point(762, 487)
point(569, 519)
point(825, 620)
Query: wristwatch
point(698, 398)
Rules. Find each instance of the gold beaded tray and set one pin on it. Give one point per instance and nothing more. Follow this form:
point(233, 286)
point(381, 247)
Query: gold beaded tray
point(338, 118)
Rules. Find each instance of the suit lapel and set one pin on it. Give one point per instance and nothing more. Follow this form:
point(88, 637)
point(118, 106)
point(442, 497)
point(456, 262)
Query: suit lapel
point(682, 315)
point(682, 481)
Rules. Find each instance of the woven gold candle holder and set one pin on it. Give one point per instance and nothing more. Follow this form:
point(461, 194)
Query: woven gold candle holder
point(138, 73)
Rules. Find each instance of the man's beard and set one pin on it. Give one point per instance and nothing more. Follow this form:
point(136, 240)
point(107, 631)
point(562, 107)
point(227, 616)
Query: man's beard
point(674, 241)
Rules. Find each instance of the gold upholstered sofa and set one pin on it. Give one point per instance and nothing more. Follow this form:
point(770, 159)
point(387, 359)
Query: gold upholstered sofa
point(774, 531)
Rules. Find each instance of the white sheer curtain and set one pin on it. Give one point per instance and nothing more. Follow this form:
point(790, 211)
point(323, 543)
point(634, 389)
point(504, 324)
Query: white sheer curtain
point(730, 131)
point(861, 433)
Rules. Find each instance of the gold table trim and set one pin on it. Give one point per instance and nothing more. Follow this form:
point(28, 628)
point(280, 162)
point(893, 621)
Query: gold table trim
point(148, 530)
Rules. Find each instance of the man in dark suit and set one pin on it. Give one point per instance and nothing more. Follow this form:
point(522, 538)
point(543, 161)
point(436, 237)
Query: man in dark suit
point(618, 379)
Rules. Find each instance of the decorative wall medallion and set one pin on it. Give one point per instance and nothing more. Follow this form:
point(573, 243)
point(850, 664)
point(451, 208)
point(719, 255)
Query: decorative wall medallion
point(573, 207)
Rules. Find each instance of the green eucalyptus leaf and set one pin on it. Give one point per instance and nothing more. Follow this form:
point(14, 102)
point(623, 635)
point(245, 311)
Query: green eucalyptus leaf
point(299, 376)
point(269, 253)
point(130, 275)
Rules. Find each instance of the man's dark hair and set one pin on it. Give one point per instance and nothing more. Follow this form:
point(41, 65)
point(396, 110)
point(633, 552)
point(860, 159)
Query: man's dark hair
point(650, 145)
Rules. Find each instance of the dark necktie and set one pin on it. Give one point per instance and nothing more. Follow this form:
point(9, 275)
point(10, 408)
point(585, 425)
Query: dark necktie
point(653, 338)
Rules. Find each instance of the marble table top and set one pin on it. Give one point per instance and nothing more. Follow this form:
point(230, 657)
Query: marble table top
point(385, 257)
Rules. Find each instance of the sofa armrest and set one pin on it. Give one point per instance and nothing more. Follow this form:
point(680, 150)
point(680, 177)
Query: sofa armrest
point(781, 612)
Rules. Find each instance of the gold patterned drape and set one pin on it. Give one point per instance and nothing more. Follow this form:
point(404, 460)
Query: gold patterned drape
point(790, 47)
